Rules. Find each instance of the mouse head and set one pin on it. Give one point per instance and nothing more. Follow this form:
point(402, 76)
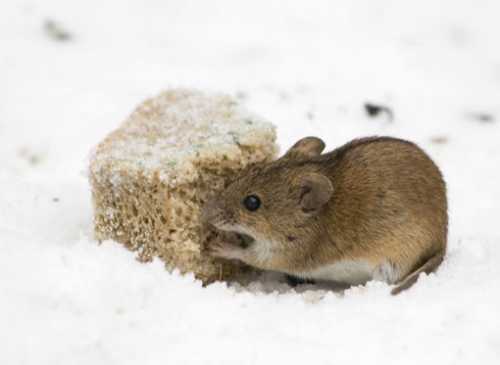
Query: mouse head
point(270, 202)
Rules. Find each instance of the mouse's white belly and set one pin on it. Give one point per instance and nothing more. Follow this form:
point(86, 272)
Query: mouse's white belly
point(352, 272)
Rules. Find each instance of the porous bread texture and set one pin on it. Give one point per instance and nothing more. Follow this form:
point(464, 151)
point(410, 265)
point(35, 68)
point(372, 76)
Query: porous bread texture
point(150, 177)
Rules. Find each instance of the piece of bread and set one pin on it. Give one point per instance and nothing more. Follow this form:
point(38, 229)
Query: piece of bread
point(150, 177)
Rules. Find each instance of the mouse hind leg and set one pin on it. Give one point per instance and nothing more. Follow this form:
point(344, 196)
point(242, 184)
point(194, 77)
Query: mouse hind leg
point(427, 267)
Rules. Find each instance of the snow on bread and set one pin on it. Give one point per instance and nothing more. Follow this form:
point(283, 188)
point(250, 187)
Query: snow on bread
point(150, 177)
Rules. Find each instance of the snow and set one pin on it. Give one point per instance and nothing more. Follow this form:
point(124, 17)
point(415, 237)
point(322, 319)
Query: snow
point(306, 66)
point(171, 132)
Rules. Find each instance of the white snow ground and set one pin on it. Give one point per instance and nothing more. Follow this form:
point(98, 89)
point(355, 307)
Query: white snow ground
point(307, 66)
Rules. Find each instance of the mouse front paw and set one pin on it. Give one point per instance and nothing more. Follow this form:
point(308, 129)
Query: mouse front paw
point(226, 250)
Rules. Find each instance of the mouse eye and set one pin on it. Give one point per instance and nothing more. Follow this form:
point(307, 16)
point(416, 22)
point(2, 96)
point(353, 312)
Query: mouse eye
point(251, 202)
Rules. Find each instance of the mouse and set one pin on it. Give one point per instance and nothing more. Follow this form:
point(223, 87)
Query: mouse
point(374, 208)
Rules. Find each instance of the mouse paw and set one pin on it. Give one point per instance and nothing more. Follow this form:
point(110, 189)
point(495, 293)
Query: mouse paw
point(226, 250)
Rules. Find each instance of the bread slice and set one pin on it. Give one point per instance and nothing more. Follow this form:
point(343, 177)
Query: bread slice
point(150, 177)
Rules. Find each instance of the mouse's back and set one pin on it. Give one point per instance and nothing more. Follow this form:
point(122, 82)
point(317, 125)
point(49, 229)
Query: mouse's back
point(389, 201)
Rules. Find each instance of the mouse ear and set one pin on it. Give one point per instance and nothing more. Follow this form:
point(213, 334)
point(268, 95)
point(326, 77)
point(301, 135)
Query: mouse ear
point(315, 191)
point(306, 148)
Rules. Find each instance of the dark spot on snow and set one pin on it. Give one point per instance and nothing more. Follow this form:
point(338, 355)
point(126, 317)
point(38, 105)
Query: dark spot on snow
point(342, 109)
point(55, 200)
point(439, 139)
point(34, 160)
point(372, 110)
point(55, 31)
point(458, 36)
point(375, 110)
point(284, 96)
point(29, 156)
point(310, 115)
point(241, 95)
point(482, 117)
point(302, 89)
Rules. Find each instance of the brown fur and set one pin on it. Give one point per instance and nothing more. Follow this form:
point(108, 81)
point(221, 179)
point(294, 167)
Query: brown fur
point(383, 202)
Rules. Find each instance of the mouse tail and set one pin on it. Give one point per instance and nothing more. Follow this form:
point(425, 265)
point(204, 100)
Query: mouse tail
point(429, 266)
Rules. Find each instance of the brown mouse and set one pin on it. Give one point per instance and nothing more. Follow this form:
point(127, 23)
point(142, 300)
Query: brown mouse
point(372, 209)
